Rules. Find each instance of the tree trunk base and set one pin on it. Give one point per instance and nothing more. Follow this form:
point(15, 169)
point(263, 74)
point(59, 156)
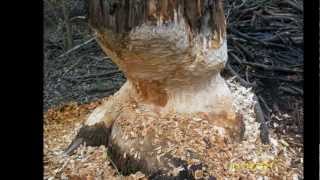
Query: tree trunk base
point(160, 146)
point(169, 146)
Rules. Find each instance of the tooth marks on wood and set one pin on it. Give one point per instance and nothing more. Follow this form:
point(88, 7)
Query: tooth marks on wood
point(121, 16)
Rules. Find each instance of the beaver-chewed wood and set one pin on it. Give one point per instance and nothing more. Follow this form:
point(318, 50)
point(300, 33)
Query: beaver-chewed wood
point(175, 104)
point(121, 16)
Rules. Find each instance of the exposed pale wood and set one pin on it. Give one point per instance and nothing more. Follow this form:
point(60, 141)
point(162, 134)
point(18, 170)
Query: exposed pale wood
point(171, 52)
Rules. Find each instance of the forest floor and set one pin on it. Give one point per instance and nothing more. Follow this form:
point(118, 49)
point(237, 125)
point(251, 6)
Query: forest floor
point(265, 42)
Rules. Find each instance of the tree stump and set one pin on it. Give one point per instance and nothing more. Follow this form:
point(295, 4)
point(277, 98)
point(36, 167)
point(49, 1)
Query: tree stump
point(175, 106)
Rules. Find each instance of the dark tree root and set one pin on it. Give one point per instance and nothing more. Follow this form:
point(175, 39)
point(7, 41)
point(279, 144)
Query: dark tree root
point(95, 135)
point(99, 134)
point(187, 172)
point(127, 165)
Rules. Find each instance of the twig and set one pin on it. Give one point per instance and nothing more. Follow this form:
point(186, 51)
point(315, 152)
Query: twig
point(114, 166)
point(245, 51)
point(61, 168)
point(278, 78)
point(72, 66)
point(294, 5)
point(264, 132)
point(265, 104)
point(242, 81)
point(296, 65)
point(250, 39)
point(291, 90)
point(273, 68)
point(88, 77)
point(232, 30)
point(247, 74)
point(276, 45)
point(99, 89)
point(235, 57)
point(77, 47)
point(99, 59)
point(97, 75)
point(300, 91)
point(280, 17)
point(103, 67)
point(78, 17)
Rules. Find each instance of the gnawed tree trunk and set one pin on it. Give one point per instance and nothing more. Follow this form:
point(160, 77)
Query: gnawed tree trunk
point(172, 52)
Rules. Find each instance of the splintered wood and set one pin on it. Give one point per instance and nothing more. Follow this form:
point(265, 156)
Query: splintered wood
point(191, 138)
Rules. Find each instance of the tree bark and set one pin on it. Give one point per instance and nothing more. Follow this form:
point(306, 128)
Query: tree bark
point(172, 52)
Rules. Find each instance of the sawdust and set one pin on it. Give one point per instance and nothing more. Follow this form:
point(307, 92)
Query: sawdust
point(88, 163)
point(188, 137)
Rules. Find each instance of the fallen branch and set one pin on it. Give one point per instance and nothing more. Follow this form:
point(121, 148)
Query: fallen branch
point(59, 170)
point(300, 91)
point(245, 51)
point(265, 104)
point(273, 68)
point(99, 59)
point(291, 90)
point(266, 67)
point(115, 167)
point(252, 39)
point(277, 78)
point(97, 89)
point(103, 67)
point(264, 132)
point(249, 38)
point(294, 5)
point(242, 81)
point(78, 17)
point(235, 57)
point(77, 47)
point(72, 66)
point(75, 79)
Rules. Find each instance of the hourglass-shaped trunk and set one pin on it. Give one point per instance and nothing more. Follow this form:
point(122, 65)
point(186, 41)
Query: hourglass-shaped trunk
point(171, 52)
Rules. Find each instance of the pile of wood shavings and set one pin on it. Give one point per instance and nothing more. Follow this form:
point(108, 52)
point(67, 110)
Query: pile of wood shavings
point(192, 138)
point(286, 160)
point(196, 146)
point(87, 163)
